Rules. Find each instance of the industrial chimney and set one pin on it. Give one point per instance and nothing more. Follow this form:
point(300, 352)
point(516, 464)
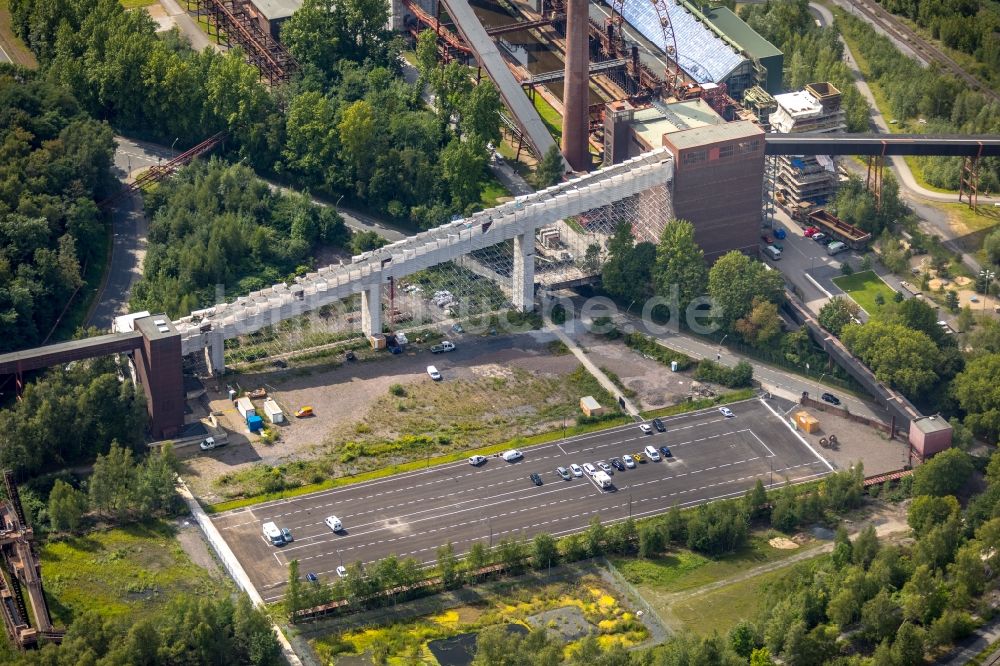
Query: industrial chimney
point(576, 91)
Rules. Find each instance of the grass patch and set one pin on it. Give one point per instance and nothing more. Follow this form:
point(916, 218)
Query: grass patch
point(687, 570)
point(131, 571)
point(722, 609)
point(862, 287)
point(551, 117)
point(132, 4)
point(492, 192)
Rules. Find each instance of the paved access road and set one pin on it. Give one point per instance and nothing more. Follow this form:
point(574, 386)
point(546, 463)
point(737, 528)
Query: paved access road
point(411, 514)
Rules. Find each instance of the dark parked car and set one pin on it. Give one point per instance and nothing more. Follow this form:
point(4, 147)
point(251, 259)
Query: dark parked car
point(658, 424)
point(536, 479)
point(831, 398)
point(349, 355)
point(311, 577)
point(617, 464)
point(665, 450)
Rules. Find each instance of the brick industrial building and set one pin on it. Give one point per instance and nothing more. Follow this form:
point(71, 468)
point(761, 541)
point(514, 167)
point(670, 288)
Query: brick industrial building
point(718, 167)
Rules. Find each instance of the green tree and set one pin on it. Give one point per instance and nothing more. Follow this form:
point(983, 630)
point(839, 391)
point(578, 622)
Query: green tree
point(479, 557)
point(448, 566)
point(293, 593)
point(900, 356)
point(908, 648)
point(978, 395)
point(928, 511)
point(923, 597)
point(113, 482)
point(762, 325)
point(837, 313)
point(481, 114)
point(66, 506)
point(356, 130)
point(462, 166)
point(595, 537)
point(550, 168)
point(842, 551)
point(865, 547)
point(756, 497)
point(545, 551)
point(744, 639)
point(253, 637)
point(427, 55)
point(680, 264)
point(951, 300)
point(735, 281)
point(627, 272)
point(651, 541)
point(761, 657)
point(944, 474)
point(880, 616)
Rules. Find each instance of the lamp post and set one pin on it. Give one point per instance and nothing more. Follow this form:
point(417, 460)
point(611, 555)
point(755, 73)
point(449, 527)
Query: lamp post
point(718, 354)
point(173, 144)
point(988, 277)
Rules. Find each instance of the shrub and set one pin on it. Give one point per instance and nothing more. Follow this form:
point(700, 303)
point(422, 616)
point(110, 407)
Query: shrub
point(397, 390)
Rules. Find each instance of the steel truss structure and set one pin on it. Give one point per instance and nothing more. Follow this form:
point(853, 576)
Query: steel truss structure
point(230, 21)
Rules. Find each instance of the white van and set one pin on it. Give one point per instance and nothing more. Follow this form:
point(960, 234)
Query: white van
point(334, 523)
point(835, 247)
point(273, 534)
point(652, 453)
point(772, 252)
point(512, 455)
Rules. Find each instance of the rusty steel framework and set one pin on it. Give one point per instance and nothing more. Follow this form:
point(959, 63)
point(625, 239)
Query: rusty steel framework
point(230, 21)
point(22, 573)
point(969, 180)
point(873, 179)
point(158, 172)
point(673, 76)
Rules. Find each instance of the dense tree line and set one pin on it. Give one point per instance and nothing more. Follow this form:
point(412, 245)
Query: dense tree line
point(348, 125)
point(195, 632)
point(121, 71)
point(69, 416)
point(217, 224)
point(54, 163)
point(811, 53)
point(945, 104)
point(969, 26)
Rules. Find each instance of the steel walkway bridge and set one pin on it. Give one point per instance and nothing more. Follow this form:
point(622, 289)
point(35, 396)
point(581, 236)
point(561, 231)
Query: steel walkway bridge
point(558, 74)
point(878, 145)
point(488, 55)
point(518, 220)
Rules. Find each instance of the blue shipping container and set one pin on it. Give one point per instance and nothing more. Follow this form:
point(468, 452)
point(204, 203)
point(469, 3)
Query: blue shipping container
point(255, 423)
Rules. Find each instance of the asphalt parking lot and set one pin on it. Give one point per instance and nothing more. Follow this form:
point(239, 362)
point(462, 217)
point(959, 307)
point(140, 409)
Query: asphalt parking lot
point(411, 514)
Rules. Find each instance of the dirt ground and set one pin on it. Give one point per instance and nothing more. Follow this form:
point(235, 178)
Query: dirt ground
point(191, 539)
point(342, 396)
point(655, 386)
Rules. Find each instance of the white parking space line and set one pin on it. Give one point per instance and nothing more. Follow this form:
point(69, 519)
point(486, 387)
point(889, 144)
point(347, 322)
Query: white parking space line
point(769, 451)
point(800, 437)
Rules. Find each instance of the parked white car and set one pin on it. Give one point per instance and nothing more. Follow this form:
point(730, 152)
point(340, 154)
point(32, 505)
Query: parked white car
point(433, 372)
point(725, 411)
point(576, 469)
point(476, 461)
point(589, 469)
point(628, 460)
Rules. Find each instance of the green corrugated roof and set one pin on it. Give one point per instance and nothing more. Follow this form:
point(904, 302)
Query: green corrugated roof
point(737, 30)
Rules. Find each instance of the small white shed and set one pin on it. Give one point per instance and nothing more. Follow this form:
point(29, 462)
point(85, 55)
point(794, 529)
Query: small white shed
point(273, 411)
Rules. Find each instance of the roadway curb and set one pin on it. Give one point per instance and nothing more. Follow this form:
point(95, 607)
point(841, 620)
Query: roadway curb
point(233, 567)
